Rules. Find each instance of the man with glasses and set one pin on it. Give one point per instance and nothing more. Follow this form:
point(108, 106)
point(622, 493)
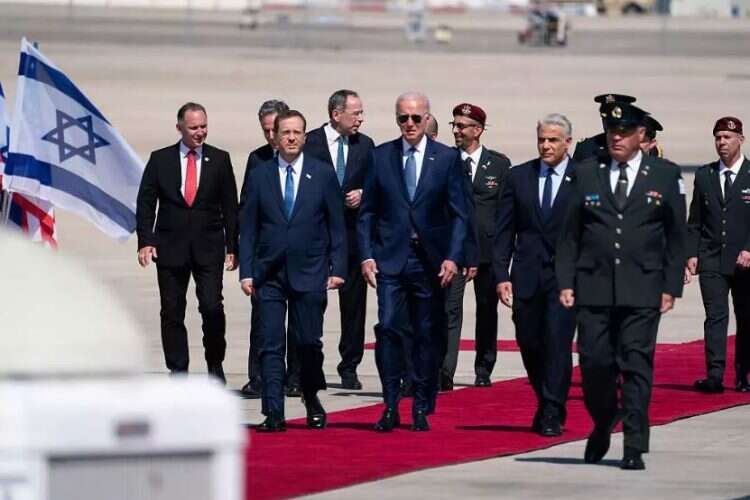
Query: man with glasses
point(339, 144)
point(485, 171)
point(412, 229)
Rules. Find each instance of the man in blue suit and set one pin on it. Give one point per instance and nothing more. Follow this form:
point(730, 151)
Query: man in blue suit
point(530, 215)
point(412, 227)
point(292, 249)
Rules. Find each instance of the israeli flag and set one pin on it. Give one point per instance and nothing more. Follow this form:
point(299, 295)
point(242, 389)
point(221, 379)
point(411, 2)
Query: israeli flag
point(4, 133)
point(63, 149)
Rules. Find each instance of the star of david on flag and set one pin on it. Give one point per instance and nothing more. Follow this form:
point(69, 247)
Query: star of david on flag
point(63, 150)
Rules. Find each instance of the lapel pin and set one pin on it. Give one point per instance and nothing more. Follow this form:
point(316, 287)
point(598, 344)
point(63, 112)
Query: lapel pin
point(567, 179)
point(308, 176)
point(207, 159)
point(602, 165)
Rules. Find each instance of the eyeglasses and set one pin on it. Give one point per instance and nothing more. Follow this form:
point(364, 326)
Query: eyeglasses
point(417, 119)
point(461, 126)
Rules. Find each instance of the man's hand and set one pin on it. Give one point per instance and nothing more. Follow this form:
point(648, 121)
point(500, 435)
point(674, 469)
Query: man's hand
point(667, 303)
point(448, 271)
point(230, 262)
point(692, 265)
point(687, 276)
point(470, 273)
point(505, 292)
point(567, 298)
point(743, 260)
point(353, 198)
point(247, 287)
point(334, 283)
point(146, 255)
point(369, 271)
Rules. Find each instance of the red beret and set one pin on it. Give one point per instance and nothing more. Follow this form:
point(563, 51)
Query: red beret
point(470, 111)
point(728, 123)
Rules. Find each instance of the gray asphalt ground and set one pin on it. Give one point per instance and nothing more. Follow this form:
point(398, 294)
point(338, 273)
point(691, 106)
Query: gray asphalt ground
point(139, 67)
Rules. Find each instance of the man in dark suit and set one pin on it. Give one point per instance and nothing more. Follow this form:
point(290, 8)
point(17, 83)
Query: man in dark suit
point(193, 233)
point(530, 215)
point(719, 249)
point(349, 152)
point(620, 260)
point(292, 249)
point(412, 227)
point(595, 146)
point(252, 389)
point(485, 171)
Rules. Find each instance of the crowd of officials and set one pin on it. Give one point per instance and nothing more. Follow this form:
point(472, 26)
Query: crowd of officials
point(600, 242)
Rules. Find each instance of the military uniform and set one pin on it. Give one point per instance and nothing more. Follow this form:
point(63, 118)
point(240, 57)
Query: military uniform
point(596, 146)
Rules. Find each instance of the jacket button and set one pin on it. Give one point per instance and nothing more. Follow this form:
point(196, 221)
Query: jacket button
point(618, 230)
point(619, 216)
point(617, 245)
point(617, 261)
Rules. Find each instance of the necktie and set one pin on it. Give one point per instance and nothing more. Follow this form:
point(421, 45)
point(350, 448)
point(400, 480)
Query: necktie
point(467, 167)
point(727, 184)
point(340, 161)
point(410, 173)
point(289, 192)
point(547, 194)
point(191, 178)
point(621, 189)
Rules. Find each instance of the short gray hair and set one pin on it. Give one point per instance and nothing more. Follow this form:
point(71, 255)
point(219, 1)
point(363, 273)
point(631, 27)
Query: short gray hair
point(337, 101)
point(270, 107)
point(557, 120)
point(413, 96)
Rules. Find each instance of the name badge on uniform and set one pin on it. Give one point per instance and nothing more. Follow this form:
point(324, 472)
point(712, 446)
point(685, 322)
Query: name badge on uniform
point(490, 181)
point(592, 200)
point(745, 195)
point(654, 197)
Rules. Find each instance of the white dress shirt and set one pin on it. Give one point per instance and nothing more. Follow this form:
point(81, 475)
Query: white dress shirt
point(735, 169)
point(558, 173)
point(418, 154)
point(631, 172)
point(333, 143)
point(183, 165)
point(474, 160)
point(296, 172)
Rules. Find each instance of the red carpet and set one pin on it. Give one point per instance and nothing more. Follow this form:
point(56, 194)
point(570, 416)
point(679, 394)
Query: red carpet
point(470, 424)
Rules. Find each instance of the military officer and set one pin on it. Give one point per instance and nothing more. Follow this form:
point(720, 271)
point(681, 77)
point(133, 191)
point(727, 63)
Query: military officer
point(619, 260)
point(650, 146)
point(719, 250)
point(597, 145)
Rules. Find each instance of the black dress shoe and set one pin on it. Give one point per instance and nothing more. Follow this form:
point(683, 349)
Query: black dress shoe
point(388, 421)
point(419, 423)
point(483, 381)
point(293, 391)
point(274, 422)
point(251, 390)
point(742, 385)
point(632, 460)
point(597, 445)
point(550, 426)
point(709, 385)
point(217, 371)
point(316, 414)
point(351, 382)
point(446, 383)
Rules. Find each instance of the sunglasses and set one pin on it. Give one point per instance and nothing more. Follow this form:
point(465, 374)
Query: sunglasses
point(417, 119)
point(461, 126)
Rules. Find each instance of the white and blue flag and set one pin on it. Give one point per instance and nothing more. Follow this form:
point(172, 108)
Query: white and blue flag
point(63, 149)
point(4, 132)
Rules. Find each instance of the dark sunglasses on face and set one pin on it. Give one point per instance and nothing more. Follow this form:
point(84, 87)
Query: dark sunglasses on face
point(417, 119)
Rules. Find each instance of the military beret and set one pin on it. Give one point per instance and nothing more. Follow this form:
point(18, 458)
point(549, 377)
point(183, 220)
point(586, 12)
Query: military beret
point(604, 99)
point(623, 115)
point(728, 123)
point(470, 111)
point(652, 126)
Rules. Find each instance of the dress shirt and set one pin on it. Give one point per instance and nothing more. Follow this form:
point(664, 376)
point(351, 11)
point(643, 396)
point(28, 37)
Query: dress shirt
point(296, 169)
point(183, 165)
point(735, 169)
point(631, 172)
point(475, 156)
point(418, 154)
point(333, 143)
point(558, 173)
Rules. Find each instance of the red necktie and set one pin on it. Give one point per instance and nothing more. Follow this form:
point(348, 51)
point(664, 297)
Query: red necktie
point(191, 178)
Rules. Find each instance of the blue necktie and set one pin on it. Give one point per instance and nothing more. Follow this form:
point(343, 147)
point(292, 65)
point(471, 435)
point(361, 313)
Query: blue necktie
point(289, 192)
point(547, 194)
point(340, 161)
point(410, 173)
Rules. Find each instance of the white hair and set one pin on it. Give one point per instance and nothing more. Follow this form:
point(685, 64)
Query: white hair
point(413, 96)
point(557, 120)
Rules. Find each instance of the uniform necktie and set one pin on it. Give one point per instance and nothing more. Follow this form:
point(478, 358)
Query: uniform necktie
point(621, 189)
point(410, 173)
point(191, 178)
point(547, 194)
point(467, 167)
point(289, 192)
point(727, 184)
point(340, 161)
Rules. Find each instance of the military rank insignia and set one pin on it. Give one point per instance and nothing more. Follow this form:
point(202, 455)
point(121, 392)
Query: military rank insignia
point(592, 200)
point(654, 197)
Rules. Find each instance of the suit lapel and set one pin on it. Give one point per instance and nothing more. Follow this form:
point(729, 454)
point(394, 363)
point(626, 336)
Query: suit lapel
point(739, 178)
point(484, 164)
point(714, 184)
point(428, 160)
point(351, 157)
point(274, 178)
point(304, 178)
point(205, 166)
point(397, 163)
point(564, 189)
point(641, 179)
point(534, 190)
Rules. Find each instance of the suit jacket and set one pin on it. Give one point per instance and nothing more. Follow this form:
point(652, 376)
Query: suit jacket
point(717, 230)
point(255, 158)
point(311, 244)
point(439, 213)
point(522, 232)
point(358, 161)
point(202, 233)
point(624, 259)
point(591, 147)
